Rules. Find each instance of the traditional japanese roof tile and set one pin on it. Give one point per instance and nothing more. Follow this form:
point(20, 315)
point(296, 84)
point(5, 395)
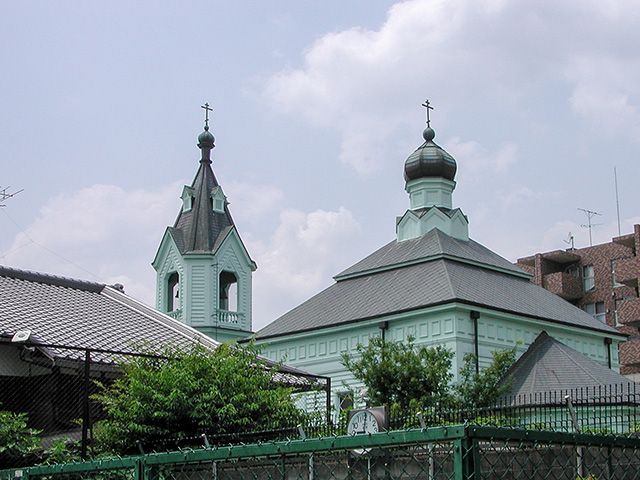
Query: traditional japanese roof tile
point(551, 367)
point(434, 269)
point(77, 314)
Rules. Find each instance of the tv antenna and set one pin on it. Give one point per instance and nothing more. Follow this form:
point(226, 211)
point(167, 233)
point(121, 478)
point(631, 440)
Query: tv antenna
point(590, 214)
point(570, 241)
point(5, 194)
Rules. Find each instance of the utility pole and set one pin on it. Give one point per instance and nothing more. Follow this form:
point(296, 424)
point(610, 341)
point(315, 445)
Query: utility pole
point(590, 214)
point(5, 194)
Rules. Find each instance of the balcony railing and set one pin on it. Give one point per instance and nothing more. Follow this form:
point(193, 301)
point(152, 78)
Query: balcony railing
point(176, 314)
point(565, 285)
point(232, 318)
point(629, 312)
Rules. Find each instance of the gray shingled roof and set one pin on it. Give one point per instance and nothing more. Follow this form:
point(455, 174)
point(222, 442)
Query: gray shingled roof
point(75, 313)
point(198, 229)
point(421, 285)
point(551, 366)
point(427, 247)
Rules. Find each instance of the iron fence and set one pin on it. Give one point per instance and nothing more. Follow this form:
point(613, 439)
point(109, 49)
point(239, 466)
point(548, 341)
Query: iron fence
point(54, 387)
point(438, 453)
point(56, 397)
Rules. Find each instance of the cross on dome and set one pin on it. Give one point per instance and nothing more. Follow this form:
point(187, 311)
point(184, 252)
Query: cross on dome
point(427, 107)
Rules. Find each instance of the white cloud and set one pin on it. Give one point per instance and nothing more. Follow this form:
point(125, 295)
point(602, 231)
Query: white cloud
point(475, 158)
point(299, 258)
point(102, 233)
point(249, 201)
point(478, 56)
point(606, 94)
point(107, 234)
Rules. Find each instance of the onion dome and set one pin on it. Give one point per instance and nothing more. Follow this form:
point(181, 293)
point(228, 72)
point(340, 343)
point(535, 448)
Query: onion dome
point(429, 160)
point(206, 139)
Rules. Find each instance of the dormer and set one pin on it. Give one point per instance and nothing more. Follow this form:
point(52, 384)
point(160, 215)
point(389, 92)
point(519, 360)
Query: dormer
point(188, 197)
point(218, 199)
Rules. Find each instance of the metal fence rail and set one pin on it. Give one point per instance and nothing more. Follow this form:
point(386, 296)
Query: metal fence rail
point(442, 453)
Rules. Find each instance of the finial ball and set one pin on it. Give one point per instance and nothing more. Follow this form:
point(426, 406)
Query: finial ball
point(428, 134)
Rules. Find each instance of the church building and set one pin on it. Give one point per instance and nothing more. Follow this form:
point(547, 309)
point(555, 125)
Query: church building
point(434, 283)
point(203, 268)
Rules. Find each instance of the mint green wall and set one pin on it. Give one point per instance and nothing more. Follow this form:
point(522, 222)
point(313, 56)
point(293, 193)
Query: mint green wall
point(199, 287)
point(449, 325)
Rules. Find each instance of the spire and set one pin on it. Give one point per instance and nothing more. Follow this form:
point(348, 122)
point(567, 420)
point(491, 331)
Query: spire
point(204, 216)
point(206, 140)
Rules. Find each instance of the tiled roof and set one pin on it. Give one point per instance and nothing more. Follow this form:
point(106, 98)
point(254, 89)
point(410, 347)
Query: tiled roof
point(79, 314)
point(82, 314)
point(436, 281)
point(550, 366)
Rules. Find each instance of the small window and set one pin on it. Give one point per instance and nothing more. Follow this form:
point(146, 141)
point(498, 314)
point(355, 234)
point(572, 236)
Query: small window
point(588, 278)
point(173, 292)
point(596, 310)
point(345, 401)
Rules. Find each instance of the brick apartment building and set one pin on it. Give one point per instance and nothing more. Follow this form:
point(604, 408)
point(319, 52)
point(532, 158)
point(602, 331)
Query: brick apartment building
point(603, 281)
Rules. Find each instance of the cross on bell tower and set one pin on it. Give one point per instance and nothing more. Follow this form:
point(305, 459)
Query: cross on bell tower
point(207, 109)
point(203, 270)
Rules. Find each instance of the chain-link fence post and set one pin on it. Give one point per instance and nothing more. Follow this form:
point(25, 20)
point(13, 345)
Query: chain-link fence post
point(86, 384)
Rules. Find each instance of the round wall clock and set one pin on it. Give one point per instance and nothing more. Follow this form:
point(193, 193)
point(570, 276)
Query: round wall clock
point(364, 421)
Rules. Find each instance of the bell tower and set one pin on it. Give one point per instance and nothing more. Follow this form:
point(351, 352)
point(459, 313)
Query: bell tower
point(203, 270)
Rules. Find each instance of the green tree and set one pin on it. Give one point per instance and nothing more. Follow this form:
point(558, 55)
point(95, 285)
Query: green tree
point(228, 390)
point(477, 390)
point(18, 442)
point(399, 374)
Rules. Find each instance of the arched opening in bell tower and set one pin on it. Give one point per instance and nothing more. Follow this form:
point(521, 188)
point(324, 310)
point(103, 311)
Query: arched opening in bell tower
point(228, 291)
point(173, 292)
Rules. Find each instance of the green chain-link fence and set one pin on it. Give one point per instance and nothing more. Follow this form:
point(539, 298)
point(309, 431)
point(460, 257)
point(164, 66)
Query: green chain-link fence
point(455, 452)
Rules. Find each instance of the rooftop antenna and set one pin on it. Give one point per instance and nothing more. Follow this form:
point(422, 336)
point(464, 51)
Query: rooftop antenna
point(570, 241)
point(6, 194)
point(590, 214)
point(615, 179)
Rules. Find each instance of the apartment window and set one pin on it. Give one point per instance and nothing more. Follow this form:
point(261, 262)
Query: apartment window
point(614, 282)
point(597, 310)
point(588, 278)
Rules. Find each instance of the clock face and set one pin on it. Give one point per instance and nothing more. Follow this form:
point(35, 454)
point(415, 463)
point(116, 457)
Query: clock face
point(362, 422)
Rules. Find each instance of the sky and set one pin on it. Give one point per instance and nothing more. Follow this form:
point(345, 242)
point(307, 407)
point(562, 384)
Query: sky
point(316, 107)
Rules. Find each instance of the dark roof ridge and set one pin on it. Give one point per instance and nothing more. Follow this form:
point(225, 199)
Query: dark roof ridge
point(433, 245)
point(49, 279)
point(541, 339)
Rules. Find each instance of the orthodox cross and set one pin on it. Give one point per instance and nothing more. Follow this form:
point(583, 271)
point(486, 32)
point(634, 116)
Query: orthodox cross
point(207, 109)
point(428, 107)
